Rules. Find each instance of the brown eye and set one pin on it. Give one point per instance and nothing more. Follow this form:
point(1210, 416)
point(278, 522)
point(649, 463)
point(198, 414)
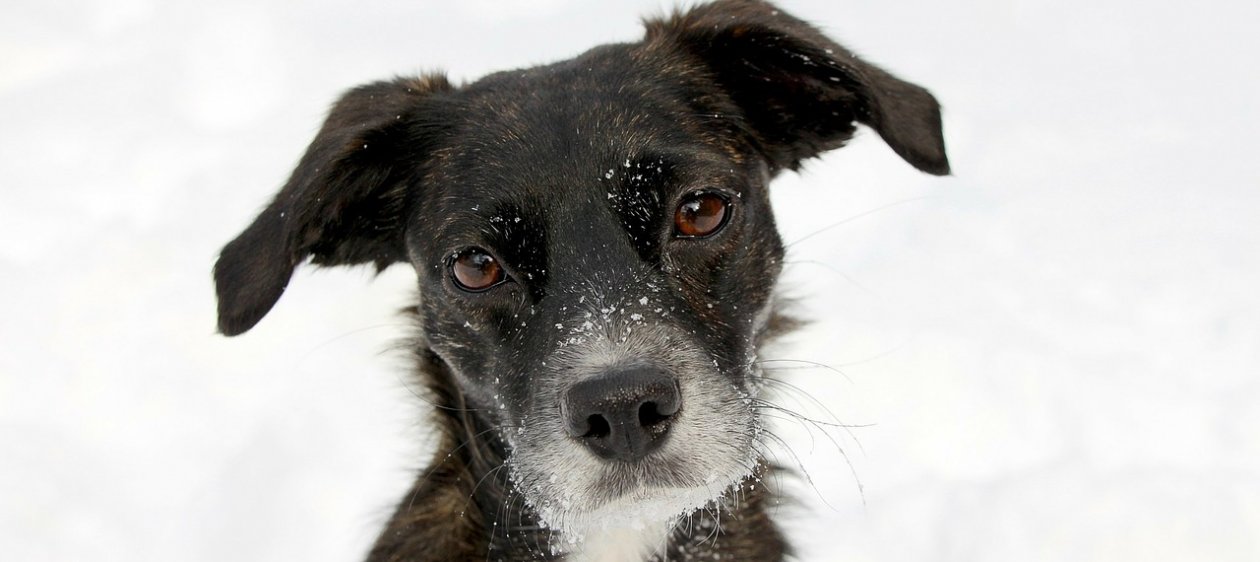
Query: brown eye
point(475, 270)
point(700, 214)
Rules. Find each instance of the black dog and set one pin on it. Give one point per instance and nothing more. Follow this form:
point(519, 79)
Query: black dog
point(596, 259)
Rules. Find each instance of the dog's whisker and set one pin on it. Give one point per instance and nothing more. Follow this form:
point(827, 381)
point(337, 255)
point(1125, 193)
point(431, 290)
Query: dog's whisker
point(818, 424)
point(848, 278)
point(767, 452)
point(813, 364)
point(437, 465)
point(785, 447)
point(843, 455)
point(495, 527)
point(848, 428)
point(871, 358)
point(780, 392)
point(853, 218)
point(803, 425)
point(473, 494)
point(717, 523)
point(321, 345)
point(497, 524)
point(764, 405)
point(803, 472)
point(536, 537)
point(796, 392)
point(412, 391)
point(798, 368)
point(877, 356)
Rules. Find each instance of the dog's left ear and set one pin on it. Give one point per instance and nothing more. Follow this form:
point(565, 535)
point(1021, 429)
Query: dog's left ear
point(343, 203)
point(799, 91)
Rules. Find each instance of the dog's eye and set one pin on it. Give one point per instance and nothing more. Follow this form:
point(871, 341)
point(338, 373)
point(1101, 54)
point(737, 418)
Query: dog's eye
point(700, 214)
point(475, 270)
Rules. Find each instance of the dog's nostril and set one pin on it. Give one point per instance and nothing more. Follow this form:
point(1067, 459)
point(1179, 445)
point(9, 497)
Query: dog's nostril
point(598, 426)
point(650, 415)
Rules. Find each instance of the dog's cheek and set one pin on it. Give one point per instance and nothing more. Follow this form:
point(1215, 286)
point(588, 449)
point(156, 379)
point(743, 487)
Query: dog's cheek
point(741, 299)
point(482, 349)
point(761, 253)
point(465, 351)
point(735, 286)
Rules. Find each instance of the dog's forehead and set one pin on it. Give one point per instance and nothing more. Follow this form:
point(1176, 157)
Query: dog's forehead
point(561, 118)
point(570, 115)
point(554, 147)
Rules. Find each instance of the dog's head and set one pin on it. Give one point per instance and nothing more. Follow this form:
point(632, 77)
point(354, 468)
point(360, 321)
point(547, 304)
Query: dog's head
point(593, 240)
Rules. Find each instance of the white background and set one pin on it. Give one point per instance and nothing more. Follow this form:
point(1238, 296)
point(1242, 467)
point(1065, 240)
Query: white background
point(1057, 346)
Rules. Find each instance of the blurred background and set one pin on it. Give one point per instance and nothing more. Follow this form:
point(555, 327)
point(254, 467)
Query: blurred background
point(1055, 353)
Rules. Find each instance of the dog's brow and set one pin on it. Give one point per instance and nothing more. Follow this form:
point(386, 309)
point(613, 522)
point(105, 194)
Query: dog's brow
point(518, 231)
point(638, 190)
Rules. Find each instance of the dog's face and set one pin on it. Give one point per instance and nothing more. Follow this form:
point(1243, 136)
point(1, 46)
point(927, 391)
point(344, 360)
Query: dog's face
point(593, 240)
point(586, 238)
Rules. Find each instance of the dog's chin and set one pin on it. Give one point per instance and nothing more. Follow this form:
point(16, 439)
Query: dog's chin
point(592, 496)
point(649, 512)
point(648, 507)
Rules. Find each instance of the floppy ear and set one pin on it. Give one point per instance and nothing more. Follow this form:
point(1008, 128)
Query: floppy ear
point(799, 91)
point(342, 205)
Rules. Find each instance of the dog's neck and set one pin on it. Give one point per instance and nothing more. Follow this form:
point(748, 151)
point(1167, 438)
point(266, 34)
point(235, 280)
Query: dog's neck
point(462, 507)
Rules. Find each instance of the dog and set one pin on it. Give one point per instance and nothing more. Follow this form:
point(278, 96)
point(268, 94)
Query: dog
point(596, 260)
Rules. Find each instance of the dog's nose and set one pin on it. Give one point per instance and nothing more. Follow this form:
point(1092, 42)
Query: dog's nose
point(623, 414)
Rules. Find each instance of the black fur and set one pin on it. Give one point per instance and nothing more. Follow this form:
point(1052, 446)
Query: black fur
point(569, 174)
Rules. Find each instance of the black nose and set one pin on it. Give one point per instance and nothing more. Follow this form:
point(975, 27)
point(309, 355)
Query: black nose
point(623, 414)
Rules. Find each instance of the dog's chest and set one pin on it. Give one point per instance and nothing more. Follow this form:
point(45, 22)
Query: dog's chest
point(619, 545)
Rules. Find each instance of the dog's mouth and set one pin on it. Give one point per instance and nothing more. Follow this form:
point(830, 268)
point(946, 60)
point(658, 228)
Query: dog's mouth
point(711, 446)
point(621, 481)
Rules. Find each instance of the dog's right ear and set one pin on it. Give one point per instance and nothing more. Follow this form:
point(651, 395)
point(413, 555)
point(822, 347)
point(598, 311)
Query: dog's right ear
point(343, 203)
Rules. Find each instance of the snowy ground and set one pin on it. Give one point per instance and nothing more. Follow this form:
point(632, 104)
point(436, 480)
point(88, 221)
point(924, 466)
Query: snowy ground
point(1058, 347)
